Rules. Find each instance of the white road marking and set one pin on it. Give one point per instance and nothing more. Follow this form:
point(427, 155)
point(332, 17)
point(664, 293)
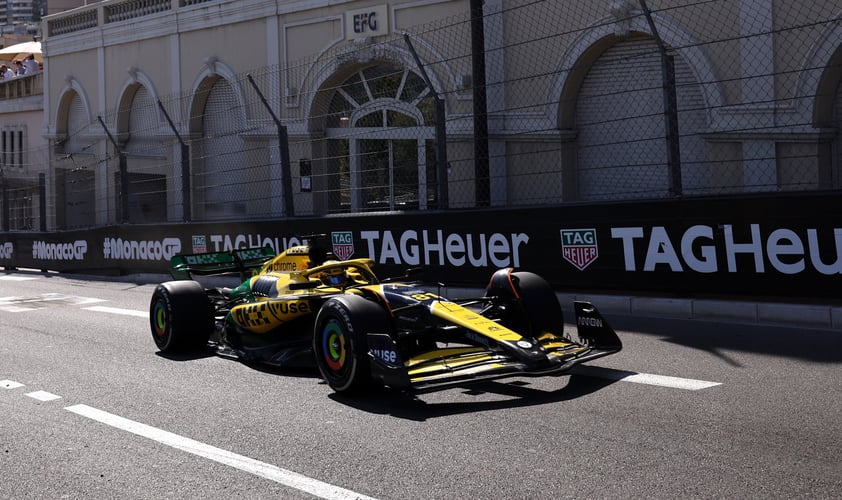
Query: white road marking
point(19, 304)
point(73, 299)
point(15, 309)
point(688, 384)
point(8, 277)
point(117, 310)
point(8, 304)
point(42, 396)
point(243, 463)
point(10, 384)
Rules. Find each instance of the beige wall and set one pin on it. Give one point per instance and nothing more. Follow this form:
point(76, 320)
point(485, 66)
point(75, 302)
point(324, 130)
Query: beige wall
point(172, 54)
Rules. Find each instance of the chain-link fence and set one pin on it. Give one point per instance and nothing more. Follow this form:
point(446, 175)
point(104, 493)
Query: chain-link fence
point(520, 103)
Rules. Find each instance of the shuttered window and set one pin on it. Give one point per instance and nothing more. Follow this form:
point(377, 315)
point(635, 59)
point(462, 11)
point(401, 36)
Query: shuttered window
point(77, 123)
point(222, 176)
point(622, 150)
point(143, 126)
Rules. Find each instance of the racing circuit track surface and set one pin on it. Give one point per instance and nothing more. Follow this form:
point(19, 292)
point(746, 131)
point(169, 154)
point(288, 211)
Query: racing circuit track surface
point(688, 409)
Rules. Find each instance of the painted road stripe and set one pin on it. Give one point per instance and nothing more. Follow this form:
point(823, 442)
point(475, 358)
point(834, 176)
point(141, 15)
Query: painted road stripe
point(15, 309)
point(42, 396)
point(116, 310)
point(243, 463)
point(8, 304)
point(17, 278)
point(645, 378)
point(23, 304)
point(10, 384)
point(73, 299)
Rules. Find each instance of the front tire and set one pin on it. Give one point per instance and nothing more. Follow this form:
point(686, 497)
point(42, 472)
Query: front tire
point(530, 303)
point(340, 344)
point(181, 316)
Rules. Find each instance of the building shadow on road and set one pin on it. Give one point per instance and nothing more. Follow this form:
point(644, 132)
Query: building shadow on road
point(719, 338)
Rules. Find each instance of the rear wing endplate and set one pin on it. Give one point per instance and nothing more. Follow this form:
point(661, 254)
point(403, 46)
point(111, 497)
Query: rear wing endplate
point(243, 261)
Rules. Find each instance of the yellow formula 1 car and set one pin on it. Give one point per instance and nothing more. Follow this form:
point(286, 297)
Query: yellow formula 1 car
point(301, 307)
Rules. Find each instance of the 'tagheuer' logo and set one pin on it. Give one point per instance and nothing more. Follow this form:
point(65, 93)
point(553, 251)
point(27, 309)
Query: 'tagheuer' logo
point(343, 244)
point(579, 247)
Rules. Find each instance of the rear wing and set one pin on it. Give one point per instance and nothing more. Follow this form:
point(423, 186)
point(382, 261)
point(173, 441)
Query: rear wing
point(243, 261)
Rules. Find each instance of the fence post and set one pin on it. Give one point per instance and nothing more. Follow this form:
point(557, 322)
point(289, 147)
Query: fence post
point(187, 213)
point(442, 193)
point(5, 194)
point(670, 107)
point(481, 160)
point(42, 206)
point(283, 140)
point(124, 175)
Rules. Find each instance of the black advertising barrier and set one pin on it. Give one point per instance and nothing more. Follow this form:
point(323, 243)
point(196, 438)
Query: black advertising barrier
point(781, 245)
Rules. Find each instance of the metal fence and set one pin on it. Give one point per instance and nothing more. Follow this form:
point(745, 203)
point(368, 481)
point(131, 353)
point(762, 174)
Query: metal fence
point(524, 103)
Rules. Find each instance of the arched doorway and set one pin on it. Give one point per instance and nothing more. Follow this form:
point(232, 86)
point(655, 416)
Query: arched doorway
point(381, 142)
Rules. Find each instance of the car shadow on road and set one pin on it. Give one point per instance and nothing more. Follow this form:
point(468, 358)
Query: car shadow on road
point(413, 407)
point(186, 356)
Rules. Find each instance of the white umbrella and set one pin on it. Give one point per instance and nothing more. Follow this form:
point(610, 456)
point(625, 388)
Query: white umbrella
point(21, 51)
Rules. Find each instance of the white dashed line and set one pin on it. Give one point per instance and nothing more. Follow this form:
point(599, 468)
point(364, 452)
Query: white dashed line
point(243, 463)
point(17, 278)
point(687, 384)
point(10, 384)
point(117, 310)
point(42, 396)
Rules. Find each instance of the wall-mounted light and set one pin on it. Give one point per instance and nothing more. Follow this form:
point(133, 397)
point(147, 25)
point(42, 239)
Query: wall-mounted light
point(464, 82)
point(210, 63)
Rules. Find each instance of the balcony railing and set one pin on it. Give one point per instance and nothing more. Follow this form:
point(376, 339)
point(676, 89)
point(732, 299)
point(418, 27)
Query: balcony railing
point(22, 86)
point(87, 17)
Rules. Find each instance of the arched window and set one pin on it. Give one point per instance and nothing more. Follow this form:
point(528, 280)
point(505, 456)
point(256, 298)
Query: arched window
point(381, 131)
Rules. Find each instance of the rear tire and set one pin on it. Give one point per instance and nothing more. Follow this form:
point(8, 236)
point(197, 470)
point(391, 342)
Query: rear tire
point(340, 344)
point(181, 316)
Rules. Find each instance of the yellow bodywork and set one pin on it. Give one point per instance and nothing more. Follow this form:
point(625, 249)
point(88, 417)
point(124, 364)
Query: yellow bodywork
point(292, 282)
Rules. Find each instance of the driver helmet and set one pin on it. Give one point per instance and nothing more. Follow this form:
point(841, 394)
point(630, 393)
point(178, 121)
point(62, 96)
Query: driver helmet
point(334, 277)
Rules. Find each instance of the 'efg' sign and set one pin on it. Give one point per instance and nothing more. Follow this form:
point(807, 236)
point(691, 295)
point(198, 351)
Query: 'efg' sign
point(367, 22)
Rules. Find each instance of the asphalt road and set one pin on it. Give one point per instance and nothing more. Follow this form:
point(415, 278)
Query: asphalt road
point(689, 409)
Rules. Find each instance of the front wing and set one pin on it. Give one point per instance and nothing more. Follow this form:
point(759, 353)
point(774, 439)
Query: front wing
point(454, 366)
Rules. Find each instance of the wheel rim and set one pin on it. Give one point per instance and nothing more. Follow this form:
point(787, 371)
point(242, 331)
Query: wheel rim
point(333, 346)
point(159, 319)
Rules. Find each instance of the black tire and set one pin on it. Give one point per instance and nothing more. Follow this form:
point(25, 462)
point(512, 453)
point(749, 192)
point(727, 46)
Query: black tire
point(532, 307)
point(340, 344)
point(181, 316)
